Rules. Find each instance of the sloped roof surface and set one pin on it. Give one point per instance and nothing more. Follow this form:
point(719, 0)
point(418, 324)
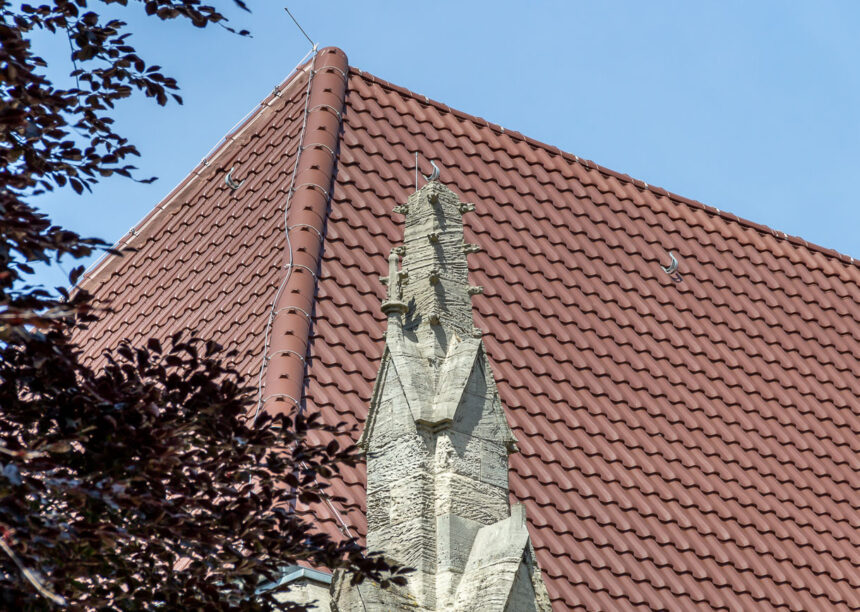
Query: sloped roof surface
point(684, 445)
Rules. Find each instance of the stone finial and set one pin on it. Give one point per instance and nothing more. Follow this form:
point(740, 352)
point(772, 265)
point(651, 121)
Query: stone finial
point(393, 303)
point(437, 438)
point(437, 302)
point(435, 261)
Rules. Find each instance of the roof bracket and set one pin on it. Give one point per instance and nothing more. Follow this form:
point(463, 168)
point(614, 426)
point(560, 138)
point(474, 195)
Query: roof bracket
point(672, 268)
point(433, 175)
point(230, 182)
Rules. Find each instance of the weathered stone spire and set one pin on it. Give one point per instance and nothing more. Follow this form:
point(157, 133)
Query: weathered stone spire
point(437, 440)
point(436, 265)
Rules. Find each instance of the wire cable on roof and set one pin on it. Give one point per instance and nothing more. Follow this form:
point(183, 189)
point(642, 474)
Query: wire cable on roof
point(205, 162)
point(289, 267)
point(274, 311)
point(342, 527)
point(230, 134)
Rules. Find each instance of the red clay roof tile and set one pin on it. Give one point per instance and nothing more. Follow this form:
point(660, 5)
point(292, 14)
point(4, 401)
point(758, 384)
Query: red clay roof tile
point(683, 445)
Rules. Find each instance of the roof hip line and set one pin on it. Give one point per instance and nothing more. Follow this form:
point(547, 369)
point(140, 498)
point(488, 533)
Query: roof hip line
point(281, 374)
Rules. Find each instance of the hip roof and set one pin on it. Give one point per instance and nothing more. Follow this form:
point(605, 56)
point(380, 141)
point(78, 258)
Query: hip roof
point(688, 440)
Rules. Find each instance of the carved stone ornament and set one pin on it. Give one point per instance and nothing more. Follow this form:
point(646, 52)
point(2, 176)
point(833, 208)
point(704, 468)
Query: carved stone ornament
point(437, 439)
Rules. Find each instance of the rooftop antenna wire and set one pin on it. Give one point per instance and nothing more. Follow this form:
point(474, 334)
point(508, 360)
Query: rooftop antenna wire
point(298, 25)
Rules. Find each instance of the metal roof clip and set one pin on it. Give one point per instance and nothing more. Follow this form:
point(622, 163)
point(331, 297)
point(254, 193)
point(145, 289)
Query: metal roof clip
point(672, 268)
point(433, 175)
point(232, 184)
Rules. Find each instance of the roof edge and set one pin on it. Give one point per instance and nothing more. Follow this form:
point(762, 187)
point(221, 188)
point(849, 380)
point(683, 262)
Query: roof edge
point(220, 147)
point(282, 373)
point(590, 165)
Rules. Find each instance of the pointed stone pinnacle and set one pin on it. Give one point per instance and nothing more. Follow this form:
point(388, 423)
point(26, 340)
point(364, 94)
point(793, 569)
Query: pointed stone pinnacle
point(437, 439)
point(393, 303)
point(436, 262)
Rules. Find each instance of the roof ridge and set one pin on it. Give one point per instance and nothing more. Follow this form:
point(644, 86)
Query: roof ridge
point(288, 331)
point(591, 165)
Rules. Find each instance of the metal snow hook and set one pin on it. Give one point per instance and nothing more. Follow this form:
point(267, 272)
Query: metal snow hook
point(433, 175)
point(672, 268)
point(230, 182)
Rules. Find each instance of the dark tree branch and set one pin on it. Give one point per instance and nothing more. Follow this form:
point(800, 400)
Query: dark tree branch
point(141, 484)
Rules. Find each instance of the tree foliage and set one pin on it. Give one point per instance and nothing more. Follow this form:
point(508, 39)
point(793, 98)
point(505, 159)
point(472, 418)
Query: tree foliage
point(141, 484)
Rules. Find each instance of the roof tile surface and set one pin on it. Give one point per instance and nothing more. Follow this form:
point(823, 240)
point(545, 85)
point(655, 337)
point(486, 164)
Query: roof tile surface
point(684, 445)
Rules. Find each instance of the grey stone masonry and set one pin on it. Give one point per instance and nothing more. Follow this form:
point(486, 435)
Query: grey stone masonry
point(437, 440)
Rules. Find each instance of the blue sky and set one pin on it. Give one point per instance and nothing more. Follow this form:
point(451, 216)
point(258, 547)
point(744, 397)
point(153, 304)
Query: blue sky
point(752, 107)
